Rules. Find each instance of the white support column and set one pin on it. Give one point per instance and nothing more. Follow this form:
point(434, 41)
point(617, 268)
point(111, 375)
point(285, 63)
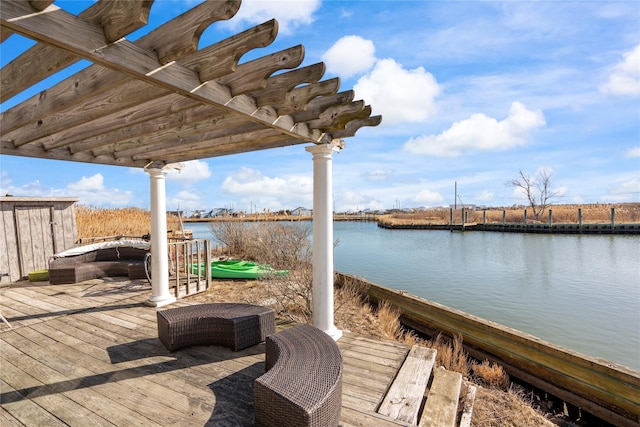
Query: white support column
point(159, 253)
point(322, 258)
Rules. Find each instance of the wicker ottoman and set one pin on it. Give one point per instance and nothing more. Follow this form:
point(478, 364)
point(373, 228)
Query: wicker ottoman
point(231, 325)
point(303, 383)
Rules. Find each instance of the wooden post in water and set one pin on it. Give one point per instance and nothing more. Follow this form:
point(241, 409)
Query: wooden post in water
point(580, 219)
point(504, 217)
point(450, 218)
point(525, 217)
point(550, 219)
point(463, 221)
point(484, 217)
point(613, 218)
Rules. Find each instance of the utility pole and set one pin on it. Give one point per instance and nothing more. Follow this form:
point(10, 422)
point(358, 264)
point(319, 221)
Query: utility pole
point(455, 196)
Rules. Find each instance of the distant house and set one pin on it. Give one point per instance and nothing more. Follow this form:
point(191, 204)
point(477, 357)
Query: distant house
point(218, 212)
point(300, 211)
point(198, 213)
point(465, 206)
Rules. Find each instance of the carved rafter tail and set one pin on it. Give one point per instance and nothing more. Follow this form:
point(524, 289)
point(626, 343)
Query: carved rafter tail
point(252, 76)
point(40, 5)
point(329, 116)
point(118, 18)
point(342, 119)
point(220, 59)
point(298, 98)
point(353, 126)
point(318, 105)
point(182, 34)
point(278, 87)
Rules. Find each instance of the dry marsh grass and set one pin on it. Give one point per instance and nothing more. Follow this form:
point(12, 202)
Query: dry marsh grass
point(490, 374)
point(99, 222)
point(506, 409)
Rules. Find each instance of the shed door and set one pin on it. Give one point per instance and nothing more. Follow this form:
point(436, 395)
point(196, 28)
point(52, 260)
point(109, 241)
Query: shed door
point(35, 237)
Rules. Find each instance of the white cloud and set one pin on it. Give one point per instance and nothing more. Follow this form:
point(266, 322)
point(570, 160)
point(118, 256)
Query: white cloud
point(633, 152)
point(480, 132)
point(289, 14)
point(194, 171)
point(561, 191)
point(92, 183)
point(185, 200)
point(398, 94)
point(355, 201)
point(270, 192)
point(484, 196)
point(623, 192)
point(624, 79)
point(89, 190)
point(378, 175)
point(429, 198)
point(92, 191)
point(349, 56)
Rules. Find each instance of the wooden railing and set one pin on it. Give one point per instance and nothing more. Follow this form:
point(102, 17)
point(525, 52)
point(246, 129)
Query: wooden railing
point(604, 389)
point(185, 257)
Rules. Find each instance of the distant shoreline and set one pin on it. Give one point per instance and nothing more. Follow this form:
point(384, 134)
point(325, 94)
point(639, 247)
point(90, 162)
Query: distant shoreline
point(622, 218)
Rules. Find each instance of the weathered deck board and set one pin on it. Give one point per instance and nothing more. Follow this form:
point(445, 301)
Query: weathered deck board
point(441, 407)
point(88, 354)
point(467, 409)
point(404, 398)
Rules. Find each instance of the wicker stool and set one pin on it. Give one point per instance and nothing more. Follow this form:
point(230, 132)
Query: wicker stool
point(235, 326)
point(303, 382)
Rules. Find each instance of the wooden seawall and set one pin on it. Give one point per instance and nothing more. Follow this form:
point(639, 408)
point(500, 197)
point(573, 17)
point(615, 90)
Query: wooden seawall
point(604, 389)
point(525, 228)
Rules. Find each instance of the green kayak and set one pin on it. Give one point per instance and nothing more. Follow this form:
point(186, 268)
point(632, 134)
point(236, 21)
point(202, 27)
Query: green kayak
point(239, 269)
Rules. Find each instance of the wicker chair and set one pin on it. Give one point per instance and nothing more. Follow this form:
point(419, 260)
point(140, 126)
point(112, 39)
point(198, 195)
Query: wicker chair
point(303, 382)
point(231, 325)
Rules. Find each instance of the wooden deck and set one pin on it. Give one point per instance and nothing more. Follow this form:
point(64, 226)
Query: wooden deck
point(88, 354)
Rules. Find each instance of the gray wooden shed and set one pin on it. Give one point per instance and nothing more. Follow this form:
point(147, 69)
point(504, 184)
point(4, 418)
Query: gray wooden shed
point(33, 229)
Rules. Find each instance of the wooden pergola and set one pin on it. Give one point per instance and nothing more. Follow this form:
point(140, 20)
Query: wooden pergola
point(160, 100)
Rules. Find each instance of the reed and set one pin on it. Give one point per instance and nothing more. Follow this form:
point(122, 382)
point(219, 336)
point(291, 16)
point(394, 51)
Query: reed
point(490, 374)
point(100, 222)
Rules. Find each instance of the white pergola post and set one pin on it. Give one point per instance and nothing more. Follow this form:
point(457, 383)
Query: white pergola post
point(322, 257)
point(159, 253)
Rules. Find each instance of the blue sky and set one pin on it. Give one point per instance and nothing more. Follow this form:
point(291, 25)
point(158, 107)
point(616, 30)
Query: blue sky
point(471, 92)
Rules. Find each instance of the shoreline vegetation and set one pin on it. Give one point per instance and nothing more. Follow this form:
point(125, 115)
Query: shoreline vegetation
point(500, 401)
point(623, 213)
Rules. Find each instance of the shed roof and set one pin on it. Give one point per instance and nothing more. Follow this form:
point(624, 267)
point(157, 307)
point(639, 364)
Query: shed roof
point(161, 99)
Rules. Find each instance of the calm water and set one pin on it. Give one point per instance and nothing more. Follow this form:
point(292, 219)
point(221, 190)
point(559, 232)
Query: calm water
point(580, 292)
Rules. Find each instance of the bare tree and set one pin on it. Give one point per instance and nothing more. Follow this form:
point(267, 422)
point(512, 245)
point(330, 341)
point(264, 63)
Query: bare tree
point(537, 189)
